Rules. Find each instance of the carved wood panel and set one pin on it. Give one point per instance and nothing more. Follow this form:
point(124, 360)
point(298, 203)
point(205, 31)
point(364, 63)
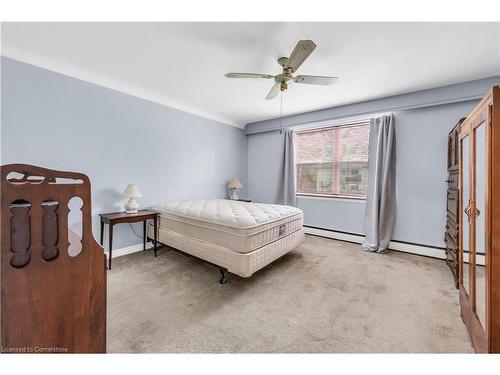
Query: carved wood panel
point(51, 301)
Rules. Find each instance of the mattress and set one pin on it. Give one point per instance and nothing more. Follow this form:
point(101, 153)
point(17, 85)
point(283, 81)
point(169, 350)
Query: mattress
point(242, 227)
point(244, 265)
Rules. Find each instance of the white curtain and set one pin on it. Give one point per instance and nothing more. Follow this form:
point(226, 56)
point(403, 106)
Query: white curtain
point(381, 193)
point(289, 177)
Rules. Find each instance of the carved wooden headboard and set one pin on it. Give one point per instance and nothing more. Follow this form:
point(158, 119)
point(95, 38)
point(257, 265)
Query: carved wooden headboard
point(53, 282)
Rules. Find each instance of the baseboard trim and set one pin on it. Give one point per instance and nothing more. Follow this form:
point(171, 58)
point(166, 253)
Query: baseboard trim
point(432, 252)
point(393, 245)
point(129, 250)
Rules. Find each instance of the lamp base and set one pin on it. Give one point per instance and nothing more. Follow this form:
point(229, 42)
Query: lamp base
point(234, 196)
point(131, 207)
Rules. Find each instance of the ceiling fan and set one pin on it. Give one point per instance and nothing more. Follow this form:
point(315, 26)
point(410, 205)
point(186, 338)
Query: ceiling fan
point(300, 53)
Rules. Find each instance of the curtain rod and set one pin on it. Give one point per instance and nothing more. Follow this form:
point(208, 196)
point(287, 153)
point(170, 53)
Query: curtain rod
point(339, 121)
point(367, 115)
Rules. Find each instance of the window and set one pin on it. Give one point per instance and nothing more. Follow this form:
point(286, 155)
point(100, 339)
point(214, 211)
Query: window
point(333, 161)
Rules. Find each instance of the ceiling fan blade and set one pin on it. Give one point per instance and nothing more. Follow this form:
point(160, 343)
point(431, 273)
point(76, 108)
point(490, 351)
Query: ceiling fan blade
point(273, 92)
point(316, 80)
point(248, 75)
point(300, 53)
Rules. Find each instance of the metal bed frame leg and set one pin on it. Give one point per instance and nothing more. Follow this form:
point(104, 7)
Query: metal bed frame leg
point(223, 276)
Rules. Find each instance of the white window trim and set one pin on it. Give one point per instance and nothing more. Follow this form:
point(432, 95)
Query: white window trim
point(337, 198)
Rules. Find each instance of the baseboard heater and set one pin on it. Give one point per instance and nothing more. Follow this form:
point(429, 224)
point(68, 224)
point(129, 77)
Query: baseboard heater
point(406, 247)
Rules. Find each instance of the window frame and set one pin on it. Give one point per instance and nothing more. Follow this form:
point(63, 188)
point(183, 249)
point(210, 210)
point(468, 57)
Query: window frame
point(365, 122)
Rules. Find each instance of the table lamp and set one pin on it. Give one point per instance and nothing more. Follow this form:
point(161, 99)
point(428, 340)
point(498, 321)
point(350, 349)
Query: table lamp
point(234, 184)
point(131, 192)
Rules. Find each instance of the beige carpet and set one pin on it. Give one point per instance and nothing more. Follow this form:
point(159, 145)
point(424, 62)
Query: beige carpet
point(324, 297)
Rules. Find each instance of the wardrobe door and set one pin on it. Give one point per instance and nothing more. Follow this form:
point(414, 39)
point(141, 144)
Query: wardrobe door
point(465, 227)
point(475, 226)
point(480, 248)
point(479, 213)
point(480, 216)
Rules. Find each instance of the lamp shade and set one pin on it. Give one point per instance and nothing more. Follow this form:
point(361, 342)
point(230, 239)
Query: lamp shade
point(234, 183)
point(132, 191)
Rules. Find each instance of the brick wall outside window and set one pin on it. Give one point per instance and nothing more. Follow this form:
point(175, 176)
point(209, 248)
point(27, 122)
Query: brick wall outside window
point(333, 161)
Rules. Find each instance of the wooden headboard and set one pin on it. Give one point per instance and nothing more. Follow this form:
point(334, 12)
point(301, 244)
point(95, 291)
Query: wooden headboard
point(53, 284)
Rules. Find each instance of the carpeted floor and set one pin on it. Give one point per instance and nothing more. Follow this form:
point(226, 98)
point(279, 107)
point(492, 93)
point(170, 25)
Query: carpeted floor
point(324, 297)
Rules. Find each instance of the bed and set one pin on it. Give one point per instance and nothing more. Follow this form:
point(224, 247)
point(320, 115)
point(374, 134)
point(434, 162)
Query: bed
point(238, 237)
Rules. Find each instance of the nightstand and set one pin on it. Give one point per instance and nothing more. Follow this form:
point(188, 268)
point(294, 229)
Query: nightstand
point(114, 218)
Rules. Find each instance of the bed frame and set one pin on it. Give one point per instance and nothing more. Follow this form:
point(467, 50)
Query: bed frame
point(53, 299)
point(223, 271)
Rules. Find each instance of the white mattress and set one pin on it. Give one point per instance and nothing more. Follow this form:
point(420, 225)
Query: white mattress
point(241, 227)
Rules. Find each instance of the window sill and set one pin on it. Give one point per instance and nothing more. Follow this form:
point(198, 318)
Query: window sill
point(340, 198)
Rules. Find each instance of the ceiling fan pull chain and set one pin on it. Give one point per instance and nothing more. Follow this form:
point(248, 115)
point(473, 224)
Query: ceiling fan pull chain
point(281, 112)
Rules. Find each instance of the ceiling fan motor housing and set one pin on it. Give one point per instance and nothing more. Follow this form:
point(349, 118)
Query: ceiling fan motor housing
point(283, 61)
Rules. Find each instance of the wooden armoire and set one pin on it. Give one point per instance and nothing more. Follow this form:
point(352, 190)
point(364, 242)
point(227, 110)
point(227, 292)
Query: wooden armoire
point(479, 217)
point(452, 215)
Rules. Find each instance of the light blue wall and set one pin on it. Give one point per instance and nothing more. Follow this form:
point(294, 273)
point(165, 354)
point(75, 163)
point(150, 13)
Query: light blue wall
point(265, 166)
point(421, 163)
point(59, 122)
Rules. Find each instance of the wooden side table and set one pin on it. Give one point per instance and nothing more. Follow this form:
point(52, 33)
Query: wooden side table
point(114, 218)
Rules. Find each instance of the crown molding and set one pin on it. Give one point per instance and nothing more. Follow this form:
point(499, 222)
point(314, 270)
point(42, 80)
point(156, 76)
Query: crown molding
point(116, 85)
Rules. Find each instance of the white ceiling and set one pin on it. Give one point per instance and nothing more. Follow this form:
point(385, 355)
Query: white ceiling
point(183, 64)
